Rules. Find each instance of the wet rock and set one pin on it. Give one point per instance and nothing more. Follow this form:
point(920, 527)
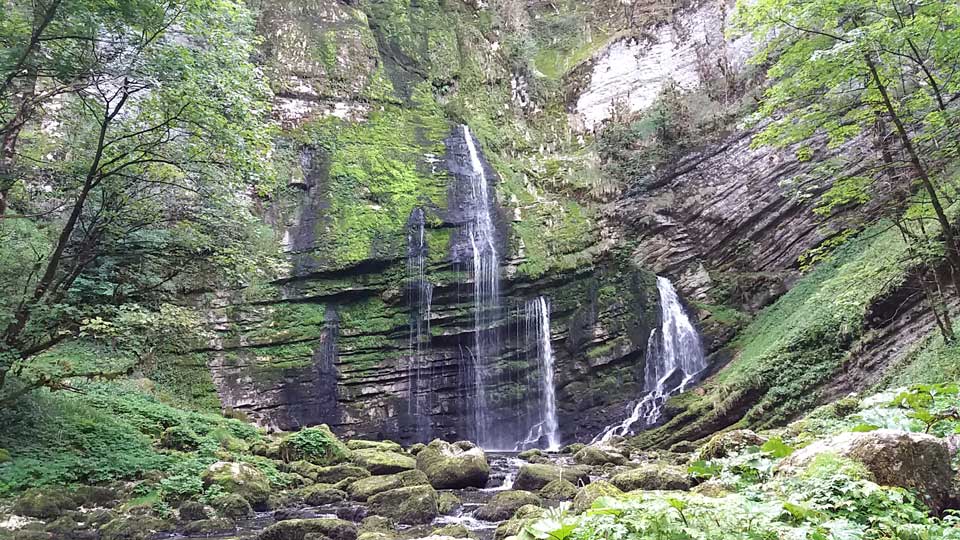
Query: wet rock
point(32, 534)
point(315, 536)
point(98, 517)
point(448, 502)
point(192, 511)
point(453, 466)
point(363, 489)
point(572, 448)
point(593, 491)
point(914, 461)
point(591, 455)
point(376, 524)
point(559, 490)
point(724, 444)
point(240, 479)
point(380, 462)
point(383, 446)
point(44, 503)
point(415, 448)
point(209, 527)
point(524, 517)
point(412, 505)
point(533, 477)
point(297, 529)
point(505, 503)
point(455, 530)
point(67, 527)
point(335, 473)
point(232, 506)
point(653, 476)
point(527, 454)
point(354, 513)
point(95, 496)
point(135, 527)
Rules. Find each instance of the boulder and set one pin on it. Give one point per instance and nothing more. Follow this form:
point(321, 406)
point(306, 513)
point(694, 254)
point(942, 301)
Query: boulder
point(317, 444)
point(455, 530)
point(730, 442)
point(653, 476)
point(44, 503)
point(448, 502)
point(453, 466)
point(524, 517)
point(383, 446)
point(914, 461)
point(95, 496)
point(416, 448)
point(380, 462)
point(505, 503)
point(209, 527)
point(232, 506)
point(527, 454)
point(363, 489)
point(297, 529)
point(240, 479)
point(320, 494)
point(29, 534)
point(192, 511)
point(559, 490)
point(572, 448)
point(593, 491)
point(591, 455)
point(534, 476)
point(338, 473)
point(133, 527)
point(412, 505)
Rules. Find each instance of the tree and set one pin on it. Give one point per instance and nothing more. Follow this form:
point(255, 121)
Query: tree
point(852, 68)
point(137, 133)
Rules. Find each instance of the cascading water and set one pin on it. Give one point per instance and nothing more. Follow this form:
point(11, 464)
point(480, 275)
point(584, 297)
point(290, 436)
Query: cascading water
point(673, 363)
point(420, 297)
point(486, 290)
point(545, 427)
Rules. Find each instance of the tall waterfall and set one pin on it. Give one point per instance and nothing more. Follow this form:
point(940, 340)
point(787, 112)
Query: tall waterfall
point(673, 363)
point(420, 297)
point(545, 426)
point(486, 290)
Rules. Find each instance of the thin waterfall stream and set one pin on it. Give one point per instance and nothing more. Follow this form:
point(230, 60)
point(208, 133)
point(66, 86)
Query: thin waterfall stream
point(546, 427)
point(420, 298)
point(674, 361)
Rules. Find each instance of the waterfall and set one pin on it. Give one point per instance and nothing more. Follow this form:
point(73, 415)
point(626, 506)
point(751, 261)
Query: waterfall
point(486, 289)
point(546, 428)
point(674, 361)
point(420, 297)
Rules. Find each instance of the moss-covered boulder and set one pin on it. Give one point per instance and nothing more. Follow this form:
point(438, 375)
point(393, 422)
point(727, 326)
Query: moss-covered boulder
point(534, 476)
point(233, 506)
point(317, 445)
point(380, 462)
point(455, 530)
point(415, 448)
point(383, 446)
point(320, 494)
point(505, 503)
point(914, 461)
point(453, 466)
point(447, 503)
point(241, 479)
point(209, 527)
point(531, 453)
point(29, 534)
point(559, 490)
point(192, 511)
point(524, 517)
point(591, 455)
point(297, 529)
point(653, 476)
point(572, 448)
point(593, 491)
point(729, 442)
point(179, 438)
point(363, 489)
point(326, 475)
point(133, 527)
point(412, 505)
point(44, 503)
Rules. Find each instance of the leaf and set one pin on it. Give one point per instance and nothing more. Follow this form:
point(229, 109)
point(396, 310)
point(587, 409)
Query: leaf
point(777, 448)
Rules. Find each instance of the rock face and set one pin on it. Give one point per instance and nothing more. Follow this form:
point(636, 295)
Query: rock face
point(449, 466)
point(914, 461)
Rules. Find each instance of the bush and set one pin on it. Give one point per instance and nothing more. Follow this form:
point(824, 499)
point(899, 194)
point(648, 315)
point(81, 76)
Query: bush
point(317, 445)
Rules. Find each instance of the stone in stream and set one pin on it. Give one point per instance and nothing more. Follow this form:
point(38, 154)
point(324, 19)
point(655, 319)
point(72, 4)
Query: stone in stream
point(534, 476)
point(363, 489)
point(210, 527)
point(380, 462)
point(591, 455)
point(454, 530)
point(320, 494)
point(133, 527)
point(653, 476)
point(240, 479)
point(524, 517)
point(448, 502)
point(454, 466)
point(412, 505)
point(297, 529)
point(913, 461)
point(192, 511)
point(232, 506)
point(505, 504)
point(325, 475)
point(44, 503)
point(559, 490)
point(593, 491)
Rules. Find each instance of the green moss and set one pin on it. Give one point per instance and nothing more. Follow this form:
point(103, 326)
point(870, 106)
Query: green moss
point(931, 361)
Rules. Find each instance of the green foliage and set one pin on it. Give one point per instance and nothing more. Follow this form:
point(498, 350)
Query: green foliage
point(314, 444)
